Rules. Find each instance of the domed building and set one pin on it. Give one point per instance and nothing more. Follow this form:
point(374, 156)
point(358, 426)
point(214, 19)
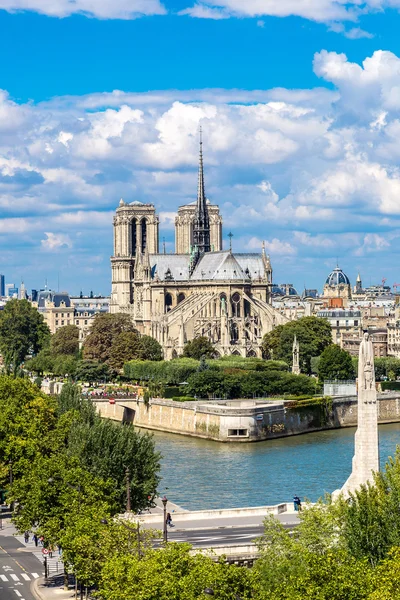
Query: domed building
point(337, 285)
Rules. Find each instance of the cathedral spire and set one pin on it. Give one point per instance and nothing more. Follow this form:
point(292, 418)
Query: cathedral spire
point(201, 223)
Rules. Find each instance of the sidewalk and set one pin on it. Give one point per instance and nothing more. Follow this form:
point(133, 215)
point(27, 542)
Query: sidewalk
point(53, 589)
point(289, 517)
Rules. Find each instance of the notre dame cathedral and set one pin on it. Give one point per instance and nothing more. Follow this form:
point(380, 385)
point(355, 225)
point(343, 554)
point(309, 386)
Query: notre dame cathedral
point(201, 290)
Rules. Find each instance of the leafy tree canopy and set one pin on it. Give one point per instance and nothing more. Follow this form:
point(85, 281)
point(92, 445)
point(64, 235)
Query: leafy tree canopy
point(65, 340)
point(198, 347)
point(92, 371)
point(335, 363)
point(43, 362)
point(22, 332)
point(103, 332)
point(172, 573)
point(150, 349)
point(313, 334)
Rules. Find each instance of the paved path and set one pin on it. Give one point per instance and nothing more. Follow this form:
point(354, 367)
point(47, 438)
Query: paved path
point(218, 523)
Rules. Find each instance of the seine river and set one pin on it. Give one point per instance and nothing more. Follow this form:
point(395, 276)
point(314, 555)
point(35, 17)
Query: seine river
point(199, 474)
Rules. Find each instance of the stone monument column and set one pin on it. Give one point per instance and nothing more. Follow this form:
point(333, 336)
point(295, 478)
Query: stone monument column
point(366, 451)
point(296, 357)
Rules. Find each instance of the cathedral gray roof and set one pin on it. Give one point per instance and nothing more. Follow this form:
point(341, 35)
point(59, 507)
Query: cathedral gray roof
point(218, 265)
point(167, 266)
point(222, 266)
point(253, 262)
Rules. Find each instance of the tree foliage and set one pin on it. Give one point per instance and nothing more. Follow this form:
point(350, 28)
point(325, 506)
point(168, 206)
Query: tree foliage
point(67, 460)
point(313, 334)
point(65, 340)
point(198, 347)
point(92, 371)
point(103, 332)
point(172, 573)
point(335, 363)
point(22, 332)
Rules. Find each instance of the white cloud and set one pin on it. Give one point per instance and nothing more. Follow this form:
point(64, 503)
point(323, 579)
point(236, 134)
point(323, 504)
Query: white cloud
point(315, 172)
point(273, 247)
point(372, 242)
point(317, 10)
point(355, 33)
point(56, 241)
point(327, 11)
point(102, 9)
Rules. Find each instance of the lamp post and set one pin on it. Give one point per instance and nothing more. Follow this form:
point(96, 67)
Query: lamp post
point(128, 490)
point(164, 500)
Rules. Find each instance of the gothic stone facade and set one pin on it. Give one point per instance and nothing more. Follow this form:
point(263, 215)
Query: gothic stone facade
point(201, 290)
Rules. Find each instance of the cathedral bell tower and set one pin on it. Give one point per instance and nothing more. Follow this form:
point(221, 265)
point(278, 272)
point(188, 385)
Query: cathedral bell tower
point(135, 236)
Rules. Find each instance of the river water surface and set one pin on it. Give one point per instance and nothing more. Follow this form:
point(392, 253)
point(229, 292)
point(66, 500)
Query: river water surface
point(199, 474)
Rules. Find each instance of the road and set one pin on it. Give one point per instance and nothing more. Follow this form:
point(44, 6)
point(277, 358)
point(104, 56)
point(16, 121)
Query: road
point(222, 536)
point(17, 570)
point(229, 536)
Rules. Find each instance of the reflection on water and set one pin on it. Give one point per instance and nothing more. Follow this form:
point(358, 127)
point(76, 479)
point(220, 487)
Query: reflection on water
point(201, 474)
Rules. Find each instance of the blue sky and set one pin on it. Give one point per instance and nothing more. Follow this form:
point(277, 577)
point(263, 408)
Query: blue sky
point(300, 105)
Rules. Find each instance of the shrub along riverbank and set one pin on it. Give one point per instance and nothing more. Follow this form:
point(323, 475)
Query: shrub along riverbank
point(228, 377)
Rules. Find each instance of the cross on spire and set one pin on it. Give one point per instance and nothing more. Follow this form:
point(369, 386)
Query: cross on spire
point(230, 236)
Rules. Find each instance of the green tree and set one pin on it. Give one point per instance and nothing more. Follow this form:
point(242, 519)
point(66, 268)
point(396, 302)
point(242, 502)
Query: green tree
point(65, 340)
point(335, 363)
point(313, 334)
point(22, 332)
point(205, 384)
point(27, 420)
point(65, 364)
point(92, 371)
point(90, 540)
point(198, 347)
point(371, 522)
point(150, 349)
point(172, 573)
point(310, 563)
point(125, 347)
point(107, 449)
point(103, 332)
point(387, 577)
point(43, 362)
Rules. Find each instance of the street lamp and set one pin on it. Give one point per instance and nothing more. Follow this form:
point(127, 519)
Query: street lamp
point(164, 500)
point(128, 490)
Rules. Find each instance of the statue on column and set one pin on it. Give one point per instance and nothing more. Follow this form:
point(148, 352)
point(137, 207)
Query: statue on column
point(366, 369)
point(296, 357)
point(366, 441)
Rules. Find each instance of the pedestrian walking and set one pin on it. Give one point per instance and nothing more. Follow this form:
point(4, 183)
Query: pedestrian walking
point(41, 540)
point(169, 519)
point(26, 537)
point(35, 539)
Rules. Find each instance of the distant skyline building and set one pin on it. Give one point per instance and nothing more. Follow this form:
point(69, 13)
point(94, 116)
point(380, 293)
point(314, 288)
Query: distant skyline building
point(11, 290)
point(2, 286)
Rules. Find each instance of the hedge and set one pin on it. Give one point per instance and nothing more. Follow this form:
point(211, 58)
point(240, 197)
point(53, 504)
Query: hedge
point(390, 385)
point(172, 372)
